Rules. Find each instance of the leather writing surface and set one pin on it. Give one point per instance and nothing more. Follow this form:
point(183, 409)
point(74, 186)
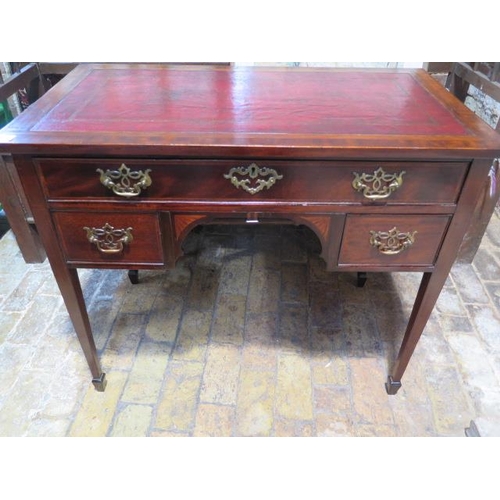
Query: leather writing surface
point(244, 101)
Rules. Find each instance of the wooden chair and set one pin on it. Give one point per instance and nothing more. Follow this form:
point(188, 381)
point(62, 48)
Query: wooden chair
point(29, 81)
point(485, 76)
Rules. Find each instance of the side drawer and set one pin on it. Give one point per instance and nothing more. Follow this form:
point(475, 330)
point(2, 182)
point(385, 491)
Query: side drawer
point(376, 240)
point(110, 239)
point(360, 182)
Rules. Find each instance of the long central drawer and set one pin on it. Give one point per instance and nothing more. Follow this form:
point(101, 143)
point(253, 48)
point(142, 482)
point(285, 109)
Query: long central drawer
point(390, 182)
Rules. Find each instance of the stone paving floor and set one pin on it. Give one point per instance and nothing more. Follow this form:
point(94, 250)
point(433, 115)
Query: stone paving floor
point(249, 336)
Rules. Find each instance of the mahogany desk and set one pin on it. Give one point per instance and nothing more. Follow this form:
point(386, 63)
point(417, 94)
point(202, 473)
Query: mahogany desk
point(119, 162)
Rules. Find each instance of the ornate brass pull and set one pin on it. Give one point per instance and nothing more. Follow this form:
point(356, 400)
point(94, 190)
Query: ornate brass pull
point(121, 181)
point(253, 171)
point(378, 185)
point(108, 239)
point(392, 242)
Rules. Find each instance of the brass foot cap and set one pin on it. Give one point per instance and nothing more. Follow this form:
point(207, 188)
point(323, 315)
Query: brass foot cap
point(100, 383)
point(392, 386)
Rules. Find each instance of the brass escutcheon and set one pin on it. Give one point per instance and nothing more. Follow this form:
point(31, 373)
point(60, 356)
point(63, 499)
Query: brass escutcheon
point(392, 242)
point(253, 172)
point(108, 239)
point(378, 185)
point(121, 181)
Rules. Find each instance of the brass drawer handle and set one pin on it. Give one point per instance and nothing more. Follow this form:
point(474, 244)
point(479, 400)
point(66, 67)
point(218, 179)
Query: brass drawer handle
point(108, 239)
point(253, 172)
point(392, 242)
point(378, 185)
point(121, 181)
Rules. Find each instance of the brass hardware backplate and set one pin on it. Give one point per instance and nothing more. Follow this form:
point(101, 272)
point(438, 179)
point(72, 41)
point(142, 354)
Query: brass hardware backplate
point(378, 185)
point(121, 181)
point(108, 239)
point(392, 242)
point(250, 178)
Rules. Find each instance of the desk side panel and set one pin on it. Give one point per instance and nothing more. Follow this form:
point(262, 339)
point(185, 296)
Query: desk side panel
point(18, 212)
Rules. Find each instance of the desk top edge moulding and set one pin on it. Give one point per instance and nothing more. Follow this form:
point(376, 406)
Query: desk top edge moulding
point(118, 162)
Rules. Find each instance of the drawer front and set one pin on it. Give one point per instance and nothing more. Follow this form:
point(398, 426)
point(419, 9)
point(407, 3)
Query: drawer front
point(373, 240)
point(109, 238)
point(234, 180)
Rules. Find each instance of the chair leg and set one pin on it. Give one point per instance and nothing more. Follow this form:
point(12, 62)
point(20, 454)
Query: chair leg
point(361, 280)
point(133, 276)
